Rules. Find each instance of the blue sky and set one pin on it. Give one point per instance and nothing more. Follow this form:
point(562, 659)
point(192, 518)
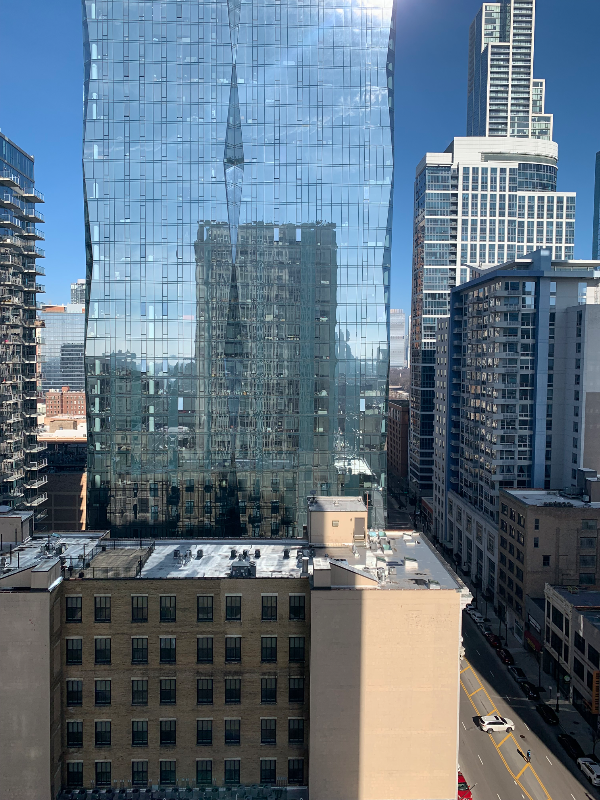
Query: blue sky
point(41, 101)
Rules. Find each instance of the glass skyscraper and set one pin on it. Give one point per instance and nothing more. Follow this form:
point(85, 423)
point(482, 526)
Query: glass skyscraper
point(238, 181)
point(61, 348)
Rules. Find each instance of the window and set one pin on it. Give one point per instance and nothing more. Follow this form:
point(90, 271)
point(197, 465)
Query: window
point(233, 648)
point(268, 770)
point(102, 609)
point(232, 770)
point(536, 541)
point(168, 773)
point(268, 690)
point(74, 774)
point(578, 669)
point(74, 734)
point(139, 692)
point(233, 607)
point(103, 733)
point(167, 608)
point(587, 543)
point(296, 731)
point(296, 690)
point(297, 648)
point(205, 649)
point(545, 561)
point(204, 691)
point(557, 618)
point(102, 650)
point(588, 562)
point(204, 772)
point(268, 731)
point(579, 642)
point(168, 691)
point(269, 607)
point(297, 606)
point(102, 693)
point(589, 524)
point(205, 608)
point(139, 733)
point(74, 693)
point(296, 770)
point(168, 733)
point(233, 690)
point(103, 773)
point(139, 608)
point(536, 524)
point(167, 650)
point(232, 731)
point(593, 656)
point(139, 650)
point(590, 679)
point(74, 651)
point(73, 608)
point(268, 648)
point(204, 728)
point(139, 773)
point(587, 578)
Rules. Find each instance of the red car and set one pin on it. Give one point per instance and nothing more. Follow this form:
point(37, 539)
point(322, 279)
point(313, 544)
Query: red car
point(493, 640)
point(464, 793)
point(505, 657)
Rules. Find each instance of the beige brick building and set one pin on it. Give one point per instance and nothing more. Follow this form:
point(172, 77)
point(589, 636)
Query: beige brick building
point(223, 663)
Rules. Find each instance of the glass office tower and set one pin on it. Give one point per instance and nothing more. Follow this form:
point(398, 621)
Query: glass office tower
point(238, 184)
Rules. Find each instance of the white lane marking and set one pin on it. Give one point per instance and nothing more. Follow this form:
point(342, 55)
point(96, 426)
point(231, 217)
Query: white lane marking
point(551, 764)
point(491, 673)
point(479, 757)
point(573, 796)
point(477, 651)
point(464, 726)
point(526, 725)
point(498, 796)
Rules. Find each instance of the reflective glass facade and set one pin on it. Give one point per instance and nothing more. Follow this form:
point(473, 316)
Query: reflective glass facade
point(61, 349)
point(238, 179)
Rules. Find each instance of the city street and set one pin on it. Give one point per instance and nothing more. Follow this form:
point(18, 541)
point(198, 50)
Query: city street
point(494, 765)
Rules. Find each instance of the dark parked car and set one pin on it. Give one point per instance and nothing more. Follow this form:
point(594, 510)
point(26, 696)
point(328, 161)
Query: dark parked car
point(530, 691)
point(571, 746)
point(505, 657)
point(547, 714)
point(493, 640)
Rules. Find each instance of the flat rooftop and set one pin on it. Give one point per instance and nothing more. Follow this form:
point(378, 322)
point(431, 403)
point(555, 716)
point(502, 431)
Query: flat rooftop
point(74, 548)
point(324, 503)
point(587, 602)
point(542, 497)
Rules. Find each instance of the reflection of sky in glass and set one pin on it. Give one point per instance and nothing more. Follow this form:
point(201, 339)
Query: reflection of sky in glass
point(238, 170)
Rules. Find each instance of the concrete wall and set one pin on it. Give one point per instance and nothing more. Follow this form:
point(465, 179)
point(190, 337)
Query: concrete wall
point(384, 694)
point(321, 531)
point(66, 503)
point(25, 696)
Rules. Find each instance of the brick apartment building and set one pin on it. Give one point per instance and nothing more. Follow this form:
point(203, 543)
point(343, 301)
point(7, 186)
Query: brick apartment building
point(65, 402)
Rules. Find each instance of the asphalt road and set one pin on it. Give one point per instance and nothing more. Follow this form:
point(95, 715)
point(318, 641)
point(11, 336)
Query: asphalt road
point(494, 764)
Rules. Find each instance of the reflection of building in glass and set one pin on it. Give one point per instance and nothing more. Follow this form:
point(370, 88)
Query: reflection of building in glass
point(62, 347)
point(237, 339)
point(397, 338)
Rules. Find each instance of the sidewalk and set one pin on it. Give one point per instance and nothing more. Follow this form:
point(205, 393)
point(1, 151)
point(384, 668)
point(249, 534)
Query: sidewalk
point(571, 721)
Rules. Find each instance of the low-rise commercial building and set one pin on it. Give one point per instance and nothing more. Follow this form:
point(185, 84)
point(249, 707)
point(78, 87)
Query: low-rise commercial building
point(572, 646)
point(220, 663)
point(544, 537)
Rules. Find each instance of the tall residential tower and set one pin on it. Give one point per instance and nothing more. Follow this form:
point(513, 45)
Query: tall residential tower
point(21, 456)
point(238, 183)
point(490, 197)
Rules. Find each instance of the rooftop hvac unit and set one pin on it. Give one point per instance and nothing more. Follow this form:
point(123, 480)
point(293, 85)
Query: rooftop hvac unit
point(257, 553)
point(286, 552)
point(199, 553)
point(233, 552)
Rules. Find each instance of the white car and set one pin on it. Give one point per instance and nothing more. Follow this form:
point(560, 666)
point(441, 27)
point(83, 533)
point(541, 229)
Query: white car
point(493, 722)
point(590, 769)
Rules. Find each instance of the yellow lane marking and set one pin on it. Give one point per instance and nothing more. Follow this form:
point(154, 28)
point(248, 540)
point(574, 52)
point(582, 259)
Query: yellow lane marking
point(522, 771)
point(498, 745)
point(465, 670)
point(476, 690)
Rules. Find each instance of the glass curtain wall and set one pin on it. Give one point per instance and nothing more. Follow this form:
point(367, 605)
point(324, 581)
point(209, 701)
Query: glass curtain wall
point(238, 181)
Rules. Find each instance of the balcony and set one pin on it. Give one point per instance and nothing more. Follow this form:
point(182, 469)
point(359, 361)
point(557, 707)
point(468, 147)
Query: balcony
point(32, 502)
point(35, 465)
point(32, 233)
point(32, 195)
point(43, 479)
point(33, 214)
point(34, 448)
point(9, 178)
